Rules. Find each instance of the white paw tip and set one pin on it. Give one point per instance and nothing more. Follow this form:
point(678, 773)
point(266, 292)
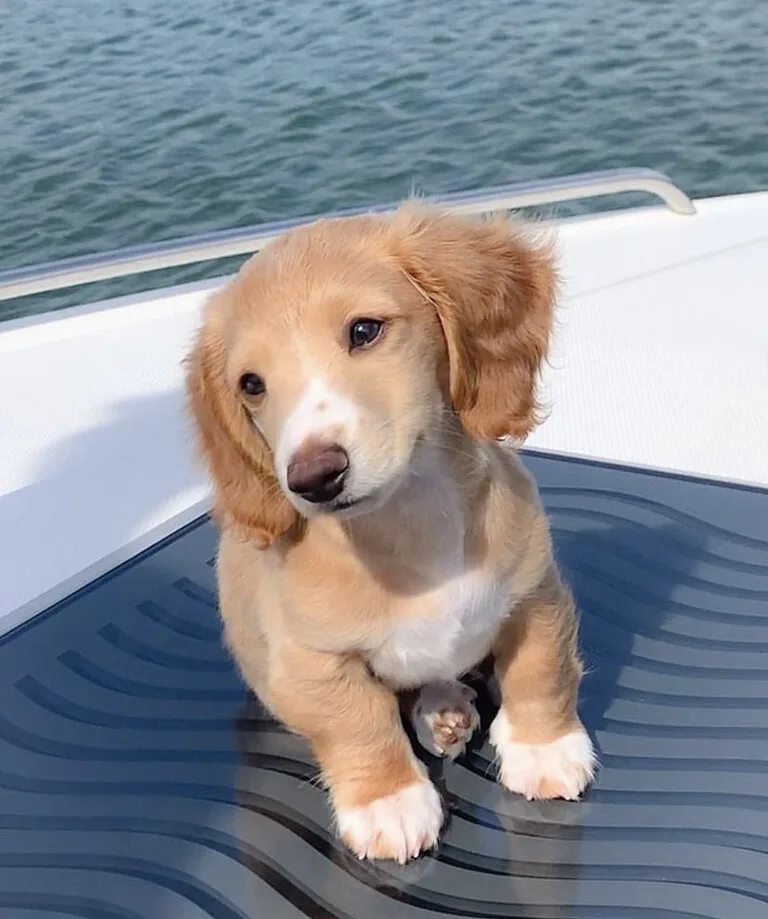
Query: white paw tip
point(397, 827)
point(560, 769)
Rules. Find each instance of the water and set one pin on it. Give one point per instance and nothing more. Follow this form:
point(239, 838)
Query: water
point(131, 121)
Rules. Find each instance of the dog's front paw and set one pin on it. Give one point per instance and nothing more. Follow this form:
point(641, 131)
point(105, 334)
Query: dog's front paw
point(399, 826)
point(560, 769)
point(444, 717)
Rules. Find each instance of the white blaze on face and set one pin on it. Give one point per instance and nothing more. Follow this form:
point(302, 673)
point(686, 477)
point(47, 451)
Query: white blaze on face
point(321, 413)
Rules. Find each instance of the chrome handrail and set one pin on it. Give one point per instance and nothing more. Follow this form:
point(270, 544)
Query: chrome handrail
point(71, 272)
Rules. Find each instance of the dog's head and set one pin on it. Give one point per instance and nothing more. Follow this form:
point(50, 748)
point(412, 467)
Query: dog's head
point(339, 348)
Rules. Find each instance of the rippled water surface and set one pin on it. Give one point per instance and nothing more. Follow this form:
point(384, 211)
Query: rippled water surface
point(130, 121)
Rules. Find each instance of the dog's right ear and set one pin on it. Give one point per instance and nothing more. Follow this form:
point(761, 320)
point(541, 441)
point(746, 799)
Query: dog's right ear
point(246, 489)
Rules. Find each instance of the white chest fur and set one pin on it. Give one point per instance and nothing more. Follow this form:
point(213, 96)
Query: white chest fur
point(455, 632)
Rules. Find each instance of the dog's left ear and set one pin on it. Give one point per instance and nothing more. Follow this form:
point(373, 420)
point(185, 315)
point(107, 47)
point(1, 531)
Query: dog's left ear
point(494, 292)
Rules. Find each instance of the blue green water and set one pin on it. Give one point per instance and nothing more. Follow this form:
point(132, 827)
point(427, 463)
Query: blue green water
point(131, 121)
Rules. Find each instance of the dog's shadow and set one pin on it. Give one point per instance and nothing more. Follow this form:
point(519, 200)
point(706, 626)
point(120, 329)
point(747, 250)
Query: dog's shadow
point(623, 575)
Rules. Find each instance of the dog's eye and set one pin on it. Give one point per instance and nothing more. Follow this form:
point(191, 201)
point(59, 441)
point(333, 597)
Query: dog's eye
point(364, 332)
point(251, 384)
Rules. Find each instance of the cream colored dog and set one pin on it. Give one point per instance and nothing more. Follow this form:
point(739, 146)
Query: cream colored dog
point(350, 387)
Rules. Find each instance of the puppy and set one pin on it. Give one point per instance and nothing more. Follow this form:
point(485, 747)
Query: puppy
point(350, 388)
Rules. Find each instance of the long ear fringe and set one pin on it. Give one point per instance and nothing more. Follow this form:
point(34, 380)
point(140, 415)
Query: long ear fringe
point(493, 285)
point(247, 493)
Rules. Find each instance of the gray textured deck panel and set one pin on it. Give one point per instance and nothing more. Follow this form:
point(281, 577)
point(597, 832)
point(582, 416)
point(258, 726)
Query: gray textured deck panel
point(137, 780)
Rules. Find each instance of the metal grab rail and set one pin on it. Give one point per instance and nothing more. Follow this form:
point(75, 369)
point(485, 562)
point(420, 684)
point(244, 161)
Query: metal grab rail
point(35, 279)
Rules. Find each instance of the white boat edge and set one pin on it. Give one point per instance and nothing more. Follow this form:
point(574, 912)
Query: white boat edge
point(660, 361)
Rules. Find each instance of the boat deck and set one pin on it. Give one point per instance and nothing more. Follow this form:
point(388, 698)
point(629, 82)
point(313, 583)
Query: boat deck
point(139, 780)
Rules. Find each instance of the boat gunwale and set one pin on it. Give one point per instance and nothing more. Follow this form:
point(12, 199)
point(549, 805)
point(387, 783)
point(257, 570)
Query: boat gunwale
point(135, 260)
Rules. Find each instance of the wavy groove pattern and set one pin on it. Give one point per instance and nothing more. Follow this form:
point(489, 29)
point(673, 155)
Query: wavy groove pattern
point(138, 778)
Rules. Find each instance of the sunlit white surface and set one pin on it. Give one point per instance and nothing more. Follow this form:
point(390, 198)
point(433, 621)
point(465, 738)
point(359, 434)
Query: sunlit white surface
point(661, 360)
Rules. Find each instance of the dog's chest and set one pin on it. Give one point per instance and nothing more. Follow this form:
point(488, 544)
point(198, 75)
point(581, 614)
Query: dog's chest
point(452, 635)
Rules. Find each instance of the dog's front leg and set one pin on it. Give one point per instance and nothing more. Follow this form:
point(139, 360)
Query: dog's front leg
point(385, 806)
point(543, 749)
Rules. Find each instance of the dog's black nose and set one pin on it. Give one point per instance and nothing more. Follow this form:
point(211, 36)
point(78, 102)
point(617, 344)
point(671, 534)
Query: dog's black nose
point(317, 472)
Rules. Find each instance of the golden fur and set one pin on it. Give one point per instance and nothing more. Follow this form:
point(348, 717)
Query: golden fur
point(318, 605)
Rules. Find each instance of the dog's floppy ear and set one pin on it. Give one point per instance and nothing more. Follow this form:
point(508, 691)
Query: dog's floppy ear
point(493, 289)
point(246, 490)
